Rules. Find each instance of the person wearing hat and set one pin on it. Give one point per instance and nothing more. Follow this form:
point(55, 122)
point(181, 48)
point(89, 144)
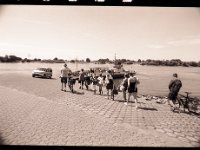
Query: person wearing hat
point(132, 87)
point(65, 71)
point(174, 88)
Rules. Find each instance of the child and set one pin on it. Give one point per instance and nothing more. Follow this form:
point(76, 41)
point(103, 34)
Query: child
point(101, 82)
point(109, 84)
point(94, 82)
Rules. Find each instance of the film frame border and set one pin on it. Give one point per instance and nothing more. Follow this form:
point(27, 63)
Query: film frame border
point(170, 3)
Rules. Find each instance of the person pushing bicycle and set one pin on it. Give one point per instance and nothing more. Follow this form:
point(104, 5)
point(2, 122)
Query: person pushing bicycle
point(174, 87)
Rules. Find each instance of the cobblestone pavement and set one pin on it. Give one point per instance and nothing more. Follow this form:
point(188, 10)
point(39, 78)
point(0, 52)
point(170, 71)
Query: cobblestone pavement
point(33, 111)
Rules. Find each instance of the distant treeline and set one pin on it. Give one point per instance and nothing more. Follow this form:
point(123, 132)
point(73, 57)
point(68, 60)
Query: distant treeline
point(13, 58)
point(173, 62)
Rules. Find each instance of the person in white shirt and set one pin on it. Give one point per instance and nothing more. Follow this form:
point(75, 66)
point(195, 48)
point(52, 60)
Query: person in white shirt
point(124, 86)
point(65, 71)
point(101, 82)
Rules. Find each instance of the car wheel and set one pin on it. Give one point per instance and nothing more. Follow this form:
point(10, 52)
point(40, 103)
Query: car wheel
point(44, 76)
point(33, 75)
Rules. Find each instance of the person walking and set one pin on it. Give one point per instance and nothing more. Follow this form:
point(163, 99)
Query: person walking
point(81, 78)
point(109, 83)
point(101, 82)
point(94, 82)
point(65, 71)
point(174, 88)
point(132, 87)
point(87, 80)
point(124, 86)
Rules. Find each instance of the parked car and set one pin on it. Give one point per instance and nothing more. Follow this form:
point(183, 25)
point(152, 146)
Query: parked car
point(42, 72)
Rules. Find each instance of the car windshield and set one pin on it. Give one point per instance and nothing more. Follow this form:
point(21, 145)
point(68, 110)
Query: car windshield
point(41, 69)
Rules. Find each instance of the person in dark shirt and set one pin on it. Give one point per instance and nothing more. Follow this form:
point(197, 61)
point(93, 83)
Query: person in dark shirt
point(109, 83)
point(132, 88)
point(174, 88)
point(81, 78)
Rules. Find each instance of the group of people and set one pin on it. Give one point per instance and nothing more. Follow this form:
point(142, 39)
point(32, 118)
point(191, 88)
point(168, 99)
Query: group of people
point(128, 86)
point(92, 80)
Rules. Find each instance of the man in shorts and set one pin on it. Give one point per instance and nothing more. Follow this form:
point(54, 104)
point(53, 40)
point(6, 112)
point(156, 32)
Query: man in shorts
point(65, 71)
point(174, 87)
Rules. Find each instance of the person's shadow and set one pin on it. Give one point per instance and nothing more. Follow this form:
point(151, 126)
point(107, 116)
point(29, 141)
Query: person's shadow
point(146, 108)
point(77, 92)
point(1, 141)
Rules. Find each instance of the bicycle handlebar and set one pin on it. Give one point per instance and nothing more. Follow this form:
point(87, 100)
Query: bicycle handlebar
point(188, 92)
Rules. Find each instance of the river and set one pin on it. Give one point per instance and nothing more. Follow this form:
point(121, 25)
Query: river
point(154, 80)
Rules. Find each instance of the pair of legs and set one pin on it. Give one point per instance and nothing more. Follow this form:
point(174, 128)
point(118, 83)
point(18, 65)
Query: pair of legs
point(134, 94)
point(124, 94)
point(70, 84)
point(173, 106)
point(172, 103)
point(172, 100)
point(87, 83)
point(94, 88)
point(63, 83)
point(108, 93)
point(81, 84)
point(100, 88)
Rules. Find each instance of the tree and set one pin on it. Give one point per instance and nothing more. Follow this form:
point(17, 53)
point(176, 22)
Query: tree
point(72, 61)
point(55, 58)
point(193, 64)
point(88, 60)
point(6, 58)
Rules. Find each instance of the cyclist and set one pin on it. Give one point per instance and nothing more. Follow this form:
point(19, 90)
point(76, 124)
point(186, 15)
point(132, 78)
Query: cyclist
point(174, 87)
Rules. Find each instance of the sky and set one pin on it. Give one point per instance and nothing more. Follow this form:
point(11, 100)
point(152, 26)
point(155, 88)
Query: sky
point(96, 32)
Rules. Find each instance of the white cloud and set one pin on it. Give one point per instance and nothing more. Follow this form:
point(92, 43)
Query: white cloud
point(155, 46)
point(25, 20)
point(14, 45)
point(185, 42)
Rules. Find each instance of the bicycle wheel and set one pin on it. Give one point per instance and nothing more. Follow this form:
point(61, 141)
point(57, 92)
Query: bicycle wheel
point(196, 105)
point(190, 106)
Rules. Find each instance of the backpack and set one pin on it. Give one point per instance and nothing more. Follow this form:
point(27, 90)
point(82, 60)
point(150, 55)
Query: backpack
point(177, 85)
point(110, 81)
point(81, 76)
point(132, 86)
point(125, 84)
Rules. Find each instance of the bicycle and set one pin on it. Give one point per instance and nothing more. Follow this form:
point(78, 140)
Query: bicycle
point(71, 83)
point(192, 104)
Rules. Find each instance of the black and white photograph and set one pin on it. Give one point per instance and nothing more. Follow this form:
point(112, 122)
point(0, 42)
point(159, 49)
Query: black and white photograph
point(116, 76)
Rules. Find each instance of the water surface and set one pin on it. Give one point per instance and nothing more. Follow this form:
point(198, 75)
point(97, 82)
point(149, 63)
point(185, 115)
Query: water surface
point(154, 80)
